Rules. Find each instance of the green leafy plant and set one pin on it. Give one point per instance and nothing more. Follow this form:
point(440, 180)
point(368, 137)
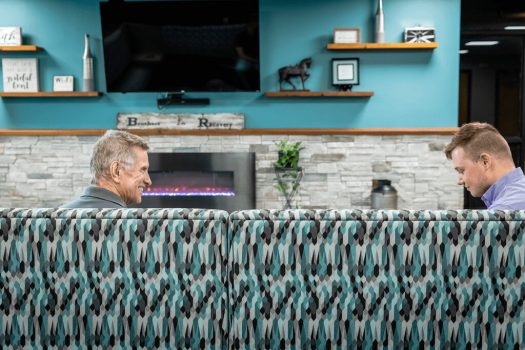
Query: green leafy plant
point(287, 170)
point(288, 154)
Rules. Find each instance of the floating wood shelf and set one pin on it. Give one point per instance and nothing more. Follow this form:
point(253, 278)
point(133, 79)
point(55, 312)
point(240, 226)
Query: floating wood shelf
point(294, 93)
point(382, 46)
point(21, 48)
point(52, 94)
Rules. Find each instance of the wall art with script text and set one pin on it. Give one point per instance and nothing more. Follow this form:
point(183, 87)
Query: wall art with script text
point(20, 74)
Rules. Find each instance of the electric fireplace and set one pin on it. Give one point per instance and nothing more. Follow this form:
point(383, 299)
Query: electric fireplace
point(201, 180)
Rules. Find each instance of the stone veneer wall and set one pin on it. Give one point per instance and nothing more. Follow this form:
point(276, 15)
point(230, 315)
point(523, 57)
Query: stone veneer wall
point(47, 171)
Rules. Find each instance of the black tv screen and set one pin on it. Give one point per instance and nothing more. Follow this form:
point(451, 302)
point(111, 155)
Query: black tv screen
point(187, 45)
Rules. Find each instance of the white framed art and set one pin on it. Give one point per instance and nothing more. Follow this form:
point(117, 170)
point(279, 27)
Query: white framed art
point(345, 72)
point(20, 74)
point(347, 35)
point(10, 36)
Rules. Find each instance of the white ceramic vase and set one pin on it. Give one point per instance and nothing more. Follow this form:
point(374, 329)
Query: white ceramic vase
point(380, 23)
point(88, 83)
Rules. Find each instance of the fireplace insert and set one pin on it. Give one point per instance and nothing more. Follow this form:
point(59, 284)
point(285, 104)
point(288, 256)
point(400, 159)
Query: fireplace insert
point(201, 180)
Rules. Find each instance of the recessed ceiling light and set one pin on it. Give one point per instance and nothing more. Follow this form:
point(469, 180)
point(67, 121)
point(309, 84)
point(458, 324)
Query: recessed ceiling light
point(515, 28)
point(481, 43)
point(462, 52)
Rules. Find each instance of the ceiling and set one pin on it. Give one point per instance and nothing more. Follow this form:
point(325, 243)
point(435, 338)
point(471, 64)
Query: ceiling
point(486, 20)
point(491, 15)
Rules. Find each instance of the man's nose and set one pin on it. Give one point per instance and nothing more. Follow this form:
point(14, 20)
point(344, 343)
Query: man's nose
point(460, 181)
point(147, 180)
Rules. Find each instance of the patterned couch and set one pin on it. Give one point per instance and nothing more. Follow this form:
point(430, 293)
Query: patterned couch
point(257, 279)
point(113, 278)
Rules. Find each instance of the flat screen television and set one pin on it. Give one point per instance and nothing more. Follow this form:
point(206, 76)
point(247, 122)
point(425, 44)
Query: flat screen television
point(181, 46)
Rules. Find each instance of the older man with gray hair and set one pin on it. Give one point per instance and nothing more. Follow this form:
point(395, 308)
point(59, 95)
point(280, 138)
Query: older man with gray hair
point(119, 167)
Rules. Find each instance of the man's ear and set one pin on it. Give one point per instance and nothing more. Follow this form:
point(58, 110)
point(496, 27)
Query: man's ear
point(486, 160)
point(114, 171)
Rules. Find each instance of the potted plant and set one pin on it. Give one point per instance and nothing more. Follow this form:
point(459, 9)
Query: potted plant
point(288, 155)
point(287, 170)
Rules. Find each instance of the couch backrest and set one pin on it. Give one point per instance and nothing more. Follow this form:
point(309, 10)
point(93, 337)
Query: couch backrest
point(122, 277)
point(186, 279)
point(349, 278)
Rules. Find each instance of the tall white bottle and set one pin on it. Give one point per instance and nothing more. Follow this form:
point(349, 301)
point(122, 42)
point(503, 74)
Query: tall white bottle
point(380, 23)
point(88, 83)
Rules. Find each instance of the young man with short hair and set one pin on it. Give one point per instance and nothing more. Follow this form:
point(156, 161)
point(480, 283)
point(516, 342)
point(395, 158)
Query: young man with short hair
point(483, 160)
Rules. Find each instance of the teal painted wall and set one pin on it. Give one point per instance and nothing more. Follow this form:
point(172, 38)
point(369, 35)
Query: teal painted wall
point(412, 88)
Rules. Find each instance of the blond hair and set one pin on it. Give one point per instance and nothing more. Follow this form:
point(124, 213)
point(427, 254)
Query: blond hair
point(114, 145)
point(477, 138)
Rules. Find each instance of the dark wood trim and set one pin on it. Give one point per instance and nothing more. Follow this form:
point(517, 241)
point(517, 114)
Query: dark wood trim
point(310, 132)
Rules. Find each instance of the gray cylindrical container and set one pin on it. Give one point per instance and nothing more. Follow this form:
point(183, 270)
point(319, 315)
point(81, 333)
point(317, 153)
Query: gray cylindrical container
point(384, 195)
point(88, 83)
point(380, 23)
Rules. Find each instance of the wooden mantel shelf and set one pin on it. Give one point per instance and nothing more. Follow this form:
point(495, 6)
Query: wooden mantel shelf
point(21, 48)
point(300, 93)
point(243, 132)
point(52, 94)
point(382, 46)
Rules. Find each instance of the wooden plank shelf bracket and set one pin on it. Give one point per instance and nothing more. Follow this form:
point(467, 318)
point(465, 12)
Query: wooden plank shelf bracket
point(21, 48)
point(297, 93)
point(383, 46)
point(52, 94)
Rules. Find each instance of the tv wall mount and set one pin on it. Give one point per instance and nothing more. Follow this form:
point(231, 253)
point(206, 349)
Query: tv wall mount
point(177, 98)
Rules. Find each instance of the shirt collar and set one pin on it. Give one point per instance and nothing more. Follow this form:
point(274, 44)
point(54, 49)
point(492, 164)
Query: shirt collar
point(103, 194)
point(497, 187)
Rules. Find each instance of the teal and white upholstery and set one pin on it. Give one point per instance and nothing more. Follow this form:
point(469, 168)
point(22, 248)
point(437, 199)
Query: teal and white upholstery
point(261, 279)
point(377, 279)
point(121, 278)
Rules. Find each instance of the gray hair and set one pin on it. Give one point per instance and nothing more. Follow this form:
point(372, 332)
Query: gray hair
point(114, 145)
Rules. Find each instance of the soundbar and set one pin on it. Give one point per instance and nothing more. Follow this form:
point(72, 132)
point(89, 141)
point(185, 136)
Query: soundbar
point(177, 98)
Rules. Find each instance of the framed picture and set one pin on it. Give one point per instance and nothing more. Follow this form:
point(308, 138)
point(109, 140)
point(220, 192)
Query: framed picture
point(345, 72)
point(347, 35)
point(63, 83)
point(10, 36)
point(420, 35)
point(20, 74)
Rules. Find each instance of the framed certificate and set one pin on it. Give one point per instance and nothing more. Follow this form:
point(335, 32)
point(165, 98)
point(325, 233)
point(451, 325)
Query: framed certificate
point(345, 72)
point(347, 35)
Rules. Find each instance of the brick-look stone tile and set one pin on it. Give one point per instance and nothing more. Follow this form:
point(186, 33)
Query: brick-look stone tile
point(259, 148)
point(334, 157)
point(338, 169)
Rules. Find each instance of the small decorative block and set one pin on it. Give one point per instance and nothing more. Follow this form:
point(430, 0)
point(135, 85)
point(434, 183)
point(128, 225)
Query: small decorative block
point(10, 36)
point(63, 83)
point(420, 35)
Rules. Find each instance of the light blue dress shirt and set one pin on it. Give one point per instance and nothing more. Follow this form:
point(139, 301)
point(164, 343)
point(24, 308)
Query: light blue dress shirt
point(508, 193)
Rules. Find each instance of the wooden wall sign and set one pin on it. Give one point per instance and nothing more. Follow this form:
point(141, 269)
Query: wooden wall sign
point(181, 121)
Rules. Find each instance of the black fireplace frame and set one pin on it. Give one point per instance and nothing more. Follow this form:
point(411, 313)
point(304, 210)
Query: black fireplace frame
point(242, 164)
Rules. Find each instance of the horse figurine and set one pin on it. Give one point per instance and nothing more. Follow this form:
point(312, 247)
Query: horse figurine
point(300, 70)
